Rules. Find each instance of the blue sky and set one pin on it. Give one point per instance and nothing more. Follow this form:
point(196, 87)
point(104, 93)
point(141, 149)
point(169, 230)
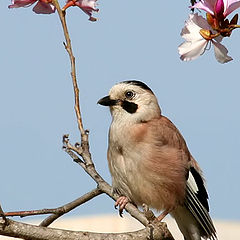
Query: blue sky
point(129, 41)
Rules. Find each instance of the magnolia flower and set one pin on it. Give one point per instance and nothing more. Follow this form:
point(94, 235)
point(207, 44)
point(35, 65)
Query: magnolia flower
point(198, 34)
point(218, 8)
point(42, 6)
point(88, 6)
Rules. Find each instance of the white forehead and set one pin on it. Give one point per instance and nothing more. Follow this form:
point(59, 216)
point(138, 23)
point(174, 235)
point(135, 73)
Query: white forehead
point(120, 88)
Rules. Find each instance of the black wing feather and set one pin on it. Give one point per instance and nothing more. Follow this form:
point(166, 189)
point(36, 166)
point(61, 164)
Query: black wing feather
point(197, 203)
point(202, 192)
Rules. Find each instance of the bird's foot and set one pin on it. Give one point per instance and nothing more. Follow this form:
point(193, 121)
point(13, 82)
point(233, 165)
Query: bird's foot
point(121, 203)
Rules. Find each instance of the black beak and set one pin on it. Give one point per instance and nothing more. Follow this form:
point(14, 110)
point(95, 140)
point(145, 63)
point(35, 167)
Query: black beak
point(106, 101)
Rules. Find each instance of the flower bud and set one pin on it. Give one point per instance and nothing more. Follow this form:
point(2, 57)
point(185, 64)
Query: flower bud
point(219, 8)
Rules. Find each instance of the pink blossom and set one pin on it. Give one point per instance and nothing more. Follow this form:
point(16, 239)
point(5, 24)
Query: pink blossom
point(42, 6)
point(218, 7)
point(88, 6)
point(196, 42)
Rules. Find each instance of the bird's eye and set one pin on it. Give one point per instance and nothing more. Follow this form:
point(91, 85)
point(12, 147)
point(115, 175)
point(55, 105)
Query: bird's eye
point(129, 94)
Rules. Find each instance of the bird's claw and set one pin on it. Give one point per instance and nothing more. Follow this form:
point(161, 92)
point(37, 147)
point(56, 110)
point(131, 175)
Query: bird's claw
point(121, 203)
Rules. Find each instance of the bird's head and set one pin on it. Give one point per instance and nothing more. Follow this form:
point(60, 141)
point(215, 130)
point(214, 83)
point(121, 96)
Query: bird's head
point(132, 100)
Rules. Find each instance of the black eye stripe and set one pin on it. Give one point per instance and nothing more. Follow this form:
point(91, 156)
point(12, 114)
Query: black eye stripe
point(130, 107)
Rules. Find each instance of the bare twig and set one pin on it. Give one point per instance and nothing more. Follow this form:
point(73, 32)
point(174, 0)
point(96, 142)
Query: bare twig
point(70, 206)
point(56, 212)
point(68, 47)
point(68, 146)
point(31, 212)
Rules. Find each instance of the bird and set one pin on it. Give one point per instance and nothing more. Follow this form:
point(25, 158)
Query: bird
point(150, 162)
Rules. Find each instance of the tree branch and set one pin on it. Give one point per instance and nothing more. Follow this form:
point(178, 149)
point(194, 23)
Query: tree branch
point(158, 231)
point(31, 212)
point(68, 47)
point(56, 212)
point(70, 206)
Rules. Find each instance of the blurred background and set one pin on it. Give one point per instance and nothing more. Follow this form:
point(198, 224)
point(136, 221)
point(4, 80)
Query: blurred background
point(130, 40)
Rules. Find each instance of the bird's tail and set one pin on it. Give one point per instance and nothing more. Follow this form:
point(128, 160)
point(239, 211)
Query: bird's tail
point(193, 219)
point(187, 224)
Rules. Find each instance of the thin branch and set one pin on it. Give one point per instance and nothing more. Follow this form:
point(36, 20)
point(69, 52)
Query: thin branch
point(70, 206)
point(56, 212)
point(68, 147)
point(31, 212)
point(68, 47)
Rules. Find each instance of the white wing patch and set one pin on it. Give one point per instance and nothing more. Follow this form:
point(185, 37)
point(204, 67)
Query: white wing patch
point(192, 183)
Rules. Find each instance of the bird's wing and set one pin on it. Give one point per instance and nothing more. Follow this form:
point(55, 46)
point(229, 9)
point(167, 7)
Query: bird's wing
point(196, 197)
point(197, 202)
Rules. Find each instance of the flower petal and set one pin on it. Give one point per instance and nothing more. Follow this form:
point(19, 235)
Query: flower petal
point(230, 6)
point(195, 44)
point(193, 26)
point(21, 3)
point(221, 53)
point(44, 8)
point(206, 5)
point(88, 6)
point(192, 50)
